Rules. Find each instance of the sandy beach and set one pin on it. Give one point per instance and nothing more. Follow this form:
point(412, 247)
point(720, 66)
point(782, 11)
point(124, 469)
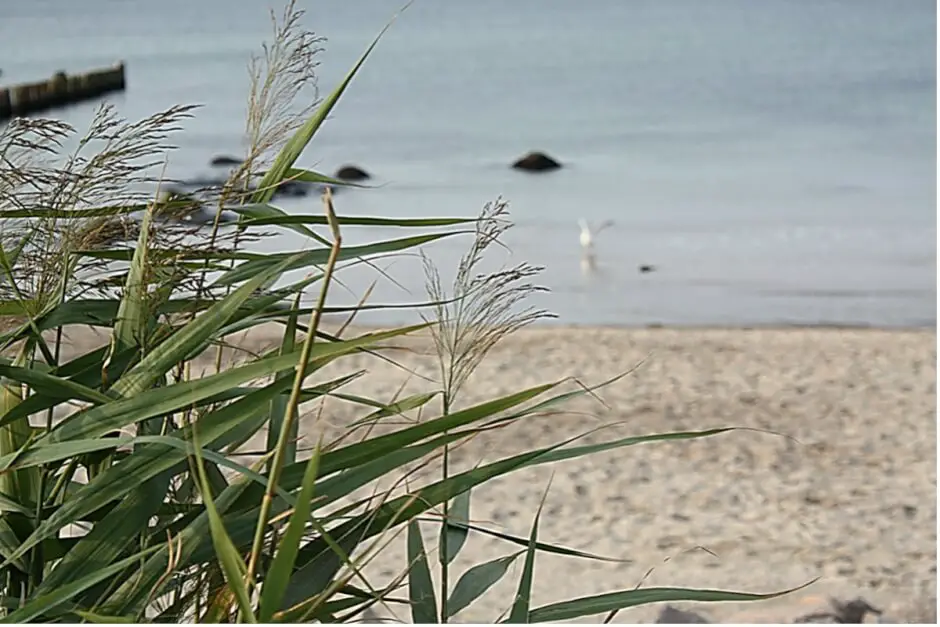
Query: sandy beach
point(844, 490)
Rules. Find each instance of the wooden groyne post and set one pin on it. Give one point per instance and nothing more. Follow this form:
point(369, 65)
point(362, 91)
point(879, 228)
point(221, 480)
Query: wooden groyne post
point(59, 90)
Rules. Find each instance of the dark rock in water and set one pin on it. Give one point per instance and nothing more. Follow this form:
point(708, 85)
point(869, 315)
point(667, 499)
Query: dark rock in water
point(646, 268)
point(185, 207)
point(536, 162)
point(172, 192)
point(179, 197)
point(853, 612)
point(352, 173)
point(201, 184)
point(671, 615)
point(224, 160)
point(207, 217)
point(209, 188)
point(292, 189)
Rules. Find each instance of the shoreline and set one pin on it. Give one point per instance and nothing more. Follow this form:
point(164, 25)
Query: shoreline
point(558, 324)
point(795, 326)
point(266, 335)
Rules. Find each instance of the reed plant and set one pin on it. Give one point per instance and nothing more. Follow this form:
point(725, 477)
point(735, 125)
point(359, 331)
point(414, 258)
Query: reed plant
point(122, 494)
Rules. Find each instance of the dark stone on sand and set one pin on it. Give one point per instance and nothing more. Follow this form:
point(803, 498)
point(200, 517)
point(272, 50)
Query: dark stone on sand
point(351, 173)
point(536, 162)
point(224, 160)
point(852, 612)
point(646, 268)
point(670, 615)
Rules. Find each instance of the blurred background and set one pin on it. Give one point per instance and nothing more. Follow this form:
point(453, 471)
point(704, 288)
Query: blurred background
point(774, 161)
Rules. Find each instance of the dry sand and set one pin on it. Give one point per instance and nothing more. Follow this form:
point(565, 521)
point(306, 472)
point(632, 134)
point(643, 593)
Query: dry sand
point(849, 496)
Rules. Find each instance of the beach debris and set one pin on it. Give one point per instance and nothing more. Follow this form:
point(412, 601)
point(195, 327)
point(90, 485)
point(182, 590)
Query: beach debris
point(646, 268)
point(671, 615)
point(536, 162)
point(852, 612)
point(352, 173)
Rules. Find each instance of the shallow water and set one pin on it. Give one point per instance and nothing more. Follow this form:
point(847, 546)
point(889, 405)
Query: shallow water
point(775, 161)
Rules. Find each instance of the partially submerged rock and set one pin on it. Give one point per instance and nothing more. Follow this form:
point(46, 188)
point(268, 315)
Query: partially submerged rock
point(177, 204)
point(352, 173)
point(212, 187)
point(292, 189)
point(184, 207)
point(536, 162)
point(225, 160)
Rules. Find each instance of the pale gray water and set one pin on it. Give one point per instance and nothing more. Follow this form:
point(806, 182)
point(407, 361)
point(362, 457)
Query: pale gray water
point(775, 160)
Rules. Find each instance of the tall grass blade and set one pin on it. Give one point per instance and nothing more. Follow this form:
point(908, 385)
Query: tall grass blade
point(44, 604)
point(267, 215)
point(476, 581)
point(279, 404)
point(130, 323)
point(366, 451)
point(59, 388)
point(278, 575)
point(91, 617)
point(116, 414)
point(146, 463)
point(315, 575)
point(232, 565)
point(590, 449)
point(303, 259)
point(131, 595)
point(195, 334)
point(543, 546)
point(458, 512)
point(9, 505)
point(110, 537)
point(520, 605)
point(602, 603)
point(10, 542)
point(420, 586)
point(405, 507)
point(19, 485)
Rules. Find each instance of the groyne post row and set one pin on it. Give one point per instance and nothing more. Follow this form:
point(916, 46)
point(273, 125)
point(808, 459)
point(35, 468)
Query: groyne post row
point(59, 90)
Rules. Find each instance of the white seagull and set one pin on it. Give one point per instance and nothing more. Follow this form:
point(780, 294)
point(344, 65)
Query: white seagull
point(587, 235)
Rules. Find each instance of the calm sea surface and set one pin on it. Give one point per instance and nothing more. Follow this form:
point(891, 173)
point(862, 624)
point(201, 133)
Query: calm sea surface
point(775, 160)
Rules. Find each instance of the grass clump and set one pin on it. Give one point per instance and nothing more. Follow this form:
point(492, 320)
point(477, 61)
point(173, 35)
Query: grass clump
point(120, 497)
